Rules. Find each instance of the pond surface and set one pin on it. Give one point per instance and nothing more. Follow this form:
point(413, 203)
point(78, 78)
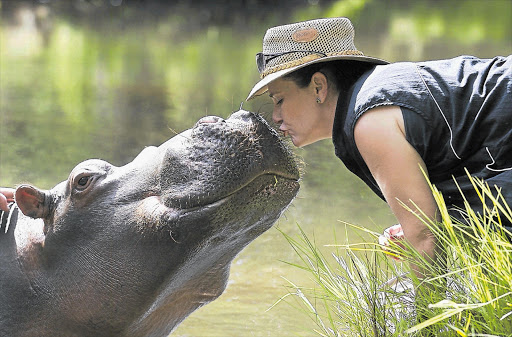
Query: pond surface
point(103, 81)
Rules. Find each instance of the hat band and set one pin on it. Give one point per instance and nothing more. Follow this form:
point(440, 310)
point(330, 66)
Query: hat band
point(305, 59)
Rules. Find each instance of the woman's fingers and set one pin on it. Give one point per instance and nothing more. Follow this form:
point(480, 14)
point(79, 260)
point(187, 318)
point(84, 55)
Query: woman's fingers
point(6, 196)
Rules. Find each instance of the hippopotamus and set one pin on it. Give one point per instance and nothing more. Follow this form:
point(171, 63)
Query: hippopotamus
point(133, 250)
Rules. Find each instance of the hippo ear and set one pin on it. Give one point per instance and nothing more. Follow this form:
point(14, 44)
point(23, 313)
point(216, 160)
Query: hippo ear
point(30, 200)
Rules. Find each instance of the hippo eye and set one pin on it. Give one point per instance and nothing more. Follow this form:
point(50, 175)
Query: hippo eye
point(83, 181)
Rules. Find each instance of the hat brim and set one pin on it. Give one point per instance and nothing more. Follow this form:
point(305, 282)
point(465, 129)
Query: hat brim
point(261, 87)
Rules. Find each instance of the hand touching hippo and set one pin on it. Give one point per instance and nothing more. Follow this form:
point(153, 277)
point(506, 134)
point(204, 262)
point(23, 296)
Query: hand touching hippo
point(6, 196)
point(133, 250)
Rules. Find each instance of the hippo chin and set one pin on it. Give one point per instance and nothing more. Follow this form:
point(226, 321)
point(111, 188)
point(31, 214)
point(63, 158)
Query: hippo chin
point(133, 250)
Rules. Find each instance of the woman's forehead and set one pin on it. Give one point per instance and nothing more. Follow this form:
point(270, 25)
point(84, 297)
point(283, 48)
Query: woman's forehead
point(280, 85)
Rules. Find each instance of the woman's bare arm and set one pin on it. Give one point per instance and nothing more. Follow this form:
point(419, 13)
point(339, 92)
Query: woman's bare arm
point(395, 165)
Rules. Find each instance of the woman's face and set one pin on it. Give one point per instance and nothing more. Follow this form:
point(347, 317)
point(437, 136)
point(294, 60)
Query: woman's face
point(296, 111)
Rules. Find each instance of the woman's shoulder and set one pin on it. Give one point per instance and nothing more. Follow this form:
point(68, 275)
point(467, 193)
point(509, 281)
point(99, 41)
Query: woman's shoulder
point(459, 62)
point(413, 84)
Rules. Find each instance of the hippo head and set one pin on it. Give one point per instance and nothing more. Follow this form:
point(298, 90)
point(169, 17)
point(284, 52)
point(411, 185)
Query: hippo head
point(133, 250)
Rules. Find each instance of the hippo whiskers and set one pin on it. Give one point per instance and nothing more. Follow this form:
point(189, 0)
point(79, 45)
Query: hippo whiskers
point(133, 250)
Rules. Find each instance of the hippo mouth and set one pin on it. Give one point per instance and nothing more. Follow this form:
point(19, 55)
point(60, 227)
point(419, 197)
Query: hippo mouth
point(238, 168)
point(224, 157)
point(266, 183)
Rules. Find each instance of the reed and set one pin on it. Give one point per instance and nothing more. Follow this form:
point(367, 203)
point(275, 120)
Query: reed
point(359, 291)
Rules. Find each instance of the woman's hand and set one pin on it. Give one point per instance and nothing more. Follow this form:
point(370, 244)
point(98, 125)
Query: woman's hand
point(392, 236)
point(6, 196)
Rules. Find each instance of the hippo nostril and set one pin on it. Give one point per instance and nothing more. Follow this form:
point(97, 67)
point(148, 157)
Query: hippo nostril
point(210, 119)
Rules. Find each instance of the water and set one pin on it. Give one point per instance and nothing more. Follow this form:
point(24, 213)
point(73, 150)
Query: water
point(97, 81)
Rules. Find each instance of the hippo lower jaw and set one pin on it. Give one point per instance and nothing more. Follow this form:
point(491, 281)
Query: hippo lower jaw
point(153, 213)
point(190, 205)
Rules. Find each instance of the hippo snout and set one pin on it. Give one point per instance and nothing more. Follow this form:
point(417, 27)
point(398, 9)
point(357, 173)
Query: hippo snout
point(221, 156)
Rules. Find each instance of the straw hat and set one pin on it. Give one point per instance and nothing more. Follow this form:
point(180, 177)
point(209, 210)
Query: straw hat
point(290, 47)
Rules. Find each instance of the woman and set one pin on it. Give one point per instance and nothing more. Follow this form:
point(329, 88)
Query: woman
point(391, 122)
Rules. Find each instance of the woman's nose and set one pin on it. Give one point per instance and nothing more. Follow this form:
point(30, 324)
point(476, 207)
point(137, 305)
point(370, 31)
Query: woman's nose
point(276, 116)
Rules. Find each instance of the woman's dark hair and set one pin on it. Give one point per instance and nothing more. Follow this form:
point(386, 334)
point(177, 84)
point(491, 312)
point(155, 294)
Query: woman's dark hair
point(342, 74)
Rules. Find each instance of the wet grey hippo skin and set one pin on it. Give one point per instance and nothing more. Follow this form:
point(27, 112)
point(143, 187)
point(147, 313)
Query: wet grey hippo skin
point(133, 250)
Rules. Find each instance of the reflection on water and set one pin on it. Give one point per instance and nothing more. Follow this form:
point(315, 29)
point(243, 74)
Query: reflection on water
point(105, 82)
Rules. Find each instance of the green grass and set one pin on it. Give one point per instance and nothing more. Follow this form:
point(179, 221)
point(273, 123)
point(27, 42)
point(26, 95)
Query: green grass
point(359, 291)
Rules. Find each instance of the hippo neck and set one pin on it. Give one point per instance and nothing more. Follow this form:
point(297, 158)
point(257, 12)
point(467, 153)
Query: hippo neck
point(178, 299)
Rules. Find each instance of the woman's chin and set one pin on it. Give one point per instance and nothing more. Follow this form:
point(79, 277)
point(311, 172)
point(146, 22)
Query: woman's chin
point(301, 142)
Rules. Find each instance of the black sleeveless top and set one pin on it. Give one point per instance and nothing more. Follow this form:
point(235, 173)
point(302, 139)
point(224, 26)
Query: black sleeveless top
point(457, 115)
